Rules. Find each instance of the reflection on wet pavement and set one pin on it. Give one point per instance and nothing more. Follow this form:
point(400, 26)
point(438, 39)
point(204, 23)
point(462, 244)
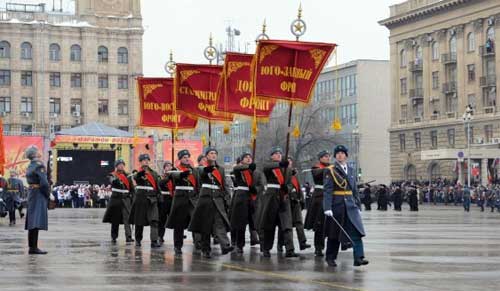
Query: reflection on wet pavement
point(435, 249)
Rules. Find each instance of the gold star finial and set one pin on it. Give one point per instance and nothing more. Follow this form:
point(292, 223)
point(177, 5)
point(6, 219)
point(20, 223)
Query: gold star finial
point(298, 27)
point(210, 52)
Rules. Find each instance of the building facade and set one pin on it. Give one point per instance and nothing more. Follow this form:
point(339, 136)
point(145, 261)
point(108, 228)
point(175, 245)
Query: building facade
point(443, 58)
point(358, 93)
point(63, 69)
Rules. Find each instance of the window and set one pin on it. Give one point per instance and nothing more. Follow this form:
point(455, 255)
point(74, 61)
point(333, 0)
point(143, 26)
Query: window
point(453, 45)
point(5, 104)
point(488, 133)
point(471, 100)
point(490, 33)
point(4, 49)
point(451, 103)
point(26, 51)
point(102, 54)
point(26, 129)
point(451, 137)
point(55, 79)
point(418, 55)
point(124, 128)
point(402, 142)
point(471, 42)
point(435, 51)
point(489, 97)
point(123, 82)
point(57, 128)
point(122, 107)
point(402, 58)
point(26, 78)
point(471, 72)
point(122, 55)
point(418, 108)
point(404, 112)
point(102, 107)
point(103, 81)
point(54, 52)
point(55, 106)
point(418, 142)
point(76, 80)
point(76, 53)
point(76, 106)
point(4, 77)
point(403, 86)
point(435, 80)
point(26, 105)
point(6, 128)
point(434, 139)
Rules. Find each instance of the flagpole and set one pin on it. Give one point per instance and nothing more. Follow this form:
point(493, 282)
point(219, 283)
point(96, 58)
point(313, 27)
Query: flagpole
point(298, 28)
point(262, 36)
point(170, 68)
point(210, 54)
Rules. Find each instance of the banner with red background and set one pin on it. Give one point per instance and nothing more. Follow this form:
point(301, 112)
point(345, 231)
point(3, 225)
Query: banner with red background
point(288, 70)
point(234, 93)
point(157, 107)
point(15, 146)
point(196, 91)
point(195, 148)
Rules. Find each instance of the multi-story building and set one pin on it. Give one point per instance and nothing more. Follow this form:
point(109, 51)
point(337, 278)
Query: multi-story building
point(443, 58)
point(358, 93)
point(60, 69)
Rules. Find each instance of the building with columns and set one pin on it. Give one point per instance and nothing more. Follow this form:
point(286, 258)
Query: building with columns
point(60, 69)
point(443, 58)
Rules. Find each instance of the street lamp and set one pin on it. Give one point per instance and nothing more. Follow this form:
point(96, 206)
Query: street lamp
point(468, 116)
point(355, 133)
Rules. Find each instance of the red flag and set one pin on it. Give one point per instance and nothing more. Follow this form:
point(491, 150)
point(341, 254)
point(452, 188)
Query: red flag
point(196, 91)
point(157, 106)
point(234, 93)
point(288, 70)
point(2, 149)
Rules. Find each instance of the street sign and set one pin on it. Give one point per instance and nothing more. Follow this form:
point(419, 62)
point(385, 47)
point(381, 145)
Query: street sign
point(227, 160)
point(460, 156)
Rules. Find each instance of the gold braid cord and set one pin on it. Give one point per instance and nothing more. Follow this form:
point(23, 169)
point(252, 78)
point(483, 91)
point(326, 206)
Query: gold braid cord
point(342, 184)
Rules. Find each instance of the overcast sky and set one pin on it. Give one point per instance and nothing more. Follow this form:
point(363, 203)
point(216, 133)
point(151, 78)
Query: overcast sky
point(184, 26)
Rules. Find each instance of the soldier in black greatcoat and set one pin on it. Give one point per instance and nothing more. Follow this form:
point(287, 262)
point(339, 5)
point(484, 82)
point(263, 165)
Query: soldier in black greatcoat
point(397, 198)
point(120, 202)
point(145, 206)
point(315, 217)
point(165, 201)
point(210, 213)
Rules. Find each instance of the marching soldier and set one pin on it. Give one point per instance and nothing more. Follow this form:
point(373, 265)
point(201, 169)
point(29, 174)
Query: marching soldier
point(297, 204)
point(275, 204)
point(315, 217)
point(397, 198)
point(165, 201)
point(15, 189)
point(185, 197)
point(145, 206)
point(210, 213)
point(38, 199)
point(120, 203)
point(341, 203)
point(243, 204)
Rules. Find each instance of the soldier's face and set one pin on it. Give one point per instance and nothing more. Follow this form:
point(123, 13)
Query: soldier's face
point(247, 160)
point(120, 167)
point(185, 160)
point(276, 157)
point(203, 161)
point(167, 168)
point(341, 157)
point(325, 159)
point(212, 156)
point(145, 162)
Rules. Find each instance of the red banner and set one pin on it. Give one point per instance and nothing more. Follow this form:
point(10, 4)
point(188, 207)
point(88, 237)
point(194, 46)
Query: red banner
point(157, 105)
point(14, 152)
point(195, 148)
point(235, 88)
point(288, 70)
point(196, 91)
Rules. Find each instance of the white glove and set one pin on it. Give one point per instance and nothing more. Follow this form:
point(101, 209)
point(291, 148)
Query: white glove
point(329, 213)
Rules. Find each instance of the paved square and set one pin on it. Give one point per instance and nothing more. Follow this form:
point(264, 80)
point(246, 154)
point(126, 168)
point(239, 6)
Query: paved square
point(438, 248)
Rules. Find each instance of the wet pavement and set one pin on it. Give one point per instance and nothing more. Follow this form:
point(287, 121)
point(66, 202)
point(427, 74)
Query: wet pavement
point(438, 248)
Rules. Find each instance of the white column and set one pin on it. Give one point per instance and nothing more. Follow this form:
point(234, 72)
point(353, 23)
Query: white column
point(460, 175)
point(484, 172)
